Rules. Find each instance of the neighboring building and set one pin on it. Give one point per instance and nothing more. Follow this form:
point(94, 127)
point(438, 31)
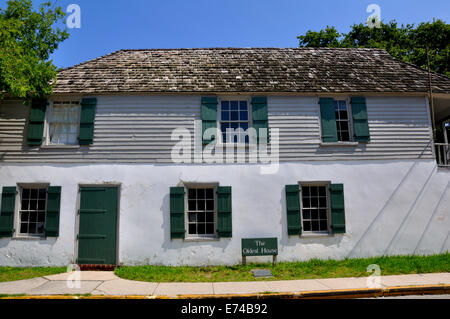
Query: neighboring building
point(92, 175)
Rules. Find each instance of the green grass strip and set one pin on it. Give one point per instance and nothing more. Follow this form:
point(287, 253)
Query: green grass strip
point(312, 269)
point(20, 273)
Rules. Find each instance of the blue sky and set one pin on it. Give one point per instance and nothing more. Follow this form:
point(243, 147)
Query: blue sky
point(107, 26)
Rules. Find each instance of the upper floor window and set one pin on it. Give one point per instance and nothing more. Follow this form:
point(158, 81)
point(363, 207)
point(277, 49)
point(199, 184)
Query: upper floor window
point(234, 114)
point(63, 123)
point(342, 120)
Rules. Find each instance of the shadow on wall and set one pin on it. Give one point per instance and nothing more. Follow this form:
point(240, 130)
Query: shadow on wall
point(401, 227)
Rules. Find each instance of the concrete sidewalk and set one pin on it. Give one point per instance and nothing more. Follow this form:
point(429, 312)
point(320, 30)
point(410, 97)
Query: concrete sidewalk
point(106, 283)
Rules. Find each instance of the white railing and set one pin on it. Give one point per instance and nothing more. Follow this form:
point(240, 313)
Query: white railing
point(443, 154)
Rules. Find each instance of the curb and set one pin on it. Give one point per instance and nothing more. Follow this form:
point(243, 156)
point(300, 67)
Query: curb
point(321, 294)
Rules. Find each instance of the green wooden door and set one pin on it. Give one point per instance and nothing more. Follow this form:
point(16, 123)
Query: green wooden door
point(98, 225)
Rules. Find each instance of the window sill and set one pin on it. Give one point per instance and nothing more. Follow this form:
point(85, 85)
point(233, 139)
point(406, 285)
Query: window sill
point(316, 235)
point(55, 146)
point(22, 237)
point(197, 239)
point(332, 144)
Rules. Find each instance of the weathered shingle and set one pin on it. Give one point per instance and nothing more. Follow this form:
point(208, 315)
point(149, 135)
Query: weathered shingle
point(247, 70)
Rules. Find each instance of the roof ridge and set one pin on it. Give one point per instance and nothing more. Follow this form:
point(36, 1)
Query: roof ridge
point(251, 48)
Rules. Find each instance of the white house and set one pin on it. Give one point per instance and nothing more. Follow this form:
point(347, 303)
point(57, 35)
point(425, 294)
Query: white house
point(119, 165)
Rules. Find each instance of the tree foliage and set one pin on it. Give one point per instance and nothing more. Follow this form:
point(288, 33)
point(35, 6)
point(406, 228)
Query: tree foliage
point(27, 39)
point(406, 42)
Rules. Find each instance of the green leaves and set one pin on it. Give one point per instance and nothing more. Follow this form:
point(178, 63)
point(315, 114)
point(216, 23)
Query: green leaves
point(405, 42)
point(27, 39)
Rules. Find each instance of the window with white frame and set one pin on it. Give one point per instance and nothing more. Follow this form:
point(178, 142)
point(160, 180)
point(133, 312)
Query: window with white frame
point(33, 201)
point(234, 114)
point(342, 120)
point(315, 208)
point(63, 123)
point(201, 209)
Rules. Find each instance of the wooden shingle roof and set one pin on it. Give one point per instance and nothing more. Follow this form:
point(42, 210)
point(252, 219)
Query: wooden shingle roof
point(321, 70)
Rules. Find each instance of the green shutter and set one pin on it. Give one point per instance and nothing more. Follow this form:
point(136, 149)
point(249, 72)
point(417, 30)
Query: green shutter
point(294, 223)
point(360, 122)
point(209, 116)
point(224, 221)
point(177, 227)
point(52, 212)
point(36, 123)
point(328, 120)
point(260, 115)
point(7, 211)
point(337, 208)
point(87, 118)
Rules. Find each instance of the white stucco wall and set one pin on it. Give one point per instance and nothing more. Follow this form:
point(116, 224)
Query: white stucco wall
point(392, 207)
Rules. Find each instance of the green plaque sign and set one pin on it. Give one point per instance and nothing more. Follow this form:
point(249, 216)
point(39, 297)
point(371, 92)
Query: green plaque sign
point(259, 247)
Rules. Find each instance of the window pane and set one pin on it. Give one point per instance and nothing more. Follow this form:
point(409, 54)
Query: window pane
point(41, 217)
point(307, 226)
point(323, 214)
point(192, 193)
point(315, 214)
point(322, 202)
point(42, 193)
point(23, 228)
point(234, 105)
point(33, 204)
point(34, 193)
point(191, 205)
point(201, 217)
point(210, 205)
point(210, 217)
point(32, 228)
point(243, 116)
point(192, 229)
point(243, 105)
point(210, 228)
point(315, 225)
point(24, 216)
point(200, 193)
point(209, 193)
point(306, 202)
point(201, 204)
point(25, 204)
point(225, 115)
point(306, 214)
point(342, 105)
point(192, 217)
point(234, 115)
point(33, 217)
point(322, 191)
point(25, 193)
point(41, 204)
point(225, 105)
point(201, 229)
point(244, 126)
point(40, 228)
point(224, 126)
point(345, 136)
point(323, 225)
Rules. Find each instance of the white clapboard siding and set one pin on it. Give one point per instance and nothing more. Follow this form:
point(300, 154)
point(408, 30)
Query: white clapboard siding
point(139, 128)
